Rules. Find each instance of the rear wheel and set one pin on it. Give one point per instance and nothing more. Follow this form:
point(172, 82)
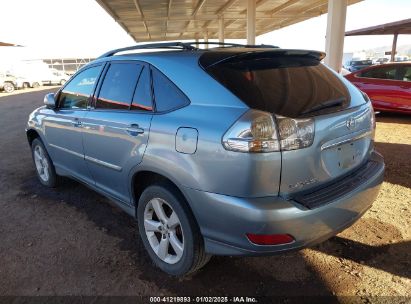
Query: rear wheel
point(44, 167)
point(169, 232)
point(8, 87)
point(63, 81)
point(36, 84)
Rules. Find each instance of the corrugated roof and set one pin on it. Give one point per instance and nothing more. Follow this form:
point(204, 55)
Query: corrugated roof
point(398, 27)
point(158, 20)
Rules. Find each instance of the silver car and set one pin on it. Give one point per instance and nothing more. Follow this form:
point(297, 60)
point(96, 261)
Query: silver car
point(233, 150)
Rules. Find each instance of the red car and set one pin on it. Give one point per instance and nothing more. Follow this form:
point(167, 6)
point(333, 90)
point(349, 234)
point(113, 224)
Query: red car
point(387, 85)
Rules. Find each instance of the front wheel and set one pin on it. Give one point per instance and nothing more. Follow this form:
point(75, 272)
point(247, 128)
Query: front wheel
point(169, 232)
point(44, 167)
point(62, 82)
point(8, 87)
point(36, 84)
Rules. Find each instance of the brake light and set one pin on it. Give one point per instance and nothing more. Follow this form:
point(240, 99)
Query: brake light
point(256, 131)
point(372, 119)
point(295, 133)
point(270, 239)
point(373, 123)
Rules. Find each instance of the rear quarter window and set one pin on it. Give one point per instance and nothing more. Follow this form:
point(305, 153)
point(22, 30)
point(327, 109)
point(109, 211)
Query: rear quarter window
point(167, 95)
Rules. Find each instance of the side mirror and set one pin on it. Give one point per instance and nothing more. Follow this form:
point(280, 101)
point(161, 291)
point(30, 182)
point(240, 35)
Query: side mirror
point(50, 101)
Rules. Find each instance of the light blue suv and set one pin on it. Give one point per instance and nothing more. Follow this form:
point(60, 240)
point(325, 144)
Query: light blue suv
point(233, 150)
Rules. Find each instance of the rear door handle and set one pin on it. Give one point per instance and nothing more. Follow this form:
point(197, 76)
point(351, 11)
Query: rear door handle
point(134, 130)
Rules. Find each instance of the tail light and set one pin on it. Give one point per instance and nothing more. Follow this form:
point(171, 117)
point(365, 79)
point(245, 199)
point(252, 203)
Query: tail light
point(373, 123)
point(255, 131)
point(295, 133)
point(372, 119)
point(258, 132)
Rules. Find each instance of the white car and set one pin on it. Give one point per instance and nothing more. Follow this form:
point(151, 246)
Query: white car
point(24, 82)
point(55, 77)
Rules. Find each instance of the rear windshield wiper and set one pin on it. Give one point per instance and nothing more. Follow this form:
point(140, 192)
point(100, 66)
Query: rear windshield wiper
point(325, 105)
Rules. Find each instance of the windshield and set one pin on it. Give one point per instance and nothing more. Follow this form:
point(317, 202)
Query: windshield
point(292, 86)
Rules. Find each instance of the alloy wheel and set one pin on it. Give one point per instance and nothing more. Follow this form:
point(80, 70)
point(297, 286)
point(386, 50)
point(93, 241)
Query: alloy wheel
point(42, 164)
point(163, 230)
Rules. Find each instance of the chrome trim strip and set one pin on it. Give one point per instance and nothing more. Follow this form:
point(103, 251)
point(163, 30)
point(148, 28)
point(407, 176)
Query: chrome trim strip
point(103, 163)
point(359, 135)
point(67, 150)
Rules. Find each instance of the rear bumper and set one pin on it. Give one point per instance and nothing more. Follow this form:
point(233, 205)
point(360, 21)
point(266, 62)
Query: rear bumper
point(225, 220)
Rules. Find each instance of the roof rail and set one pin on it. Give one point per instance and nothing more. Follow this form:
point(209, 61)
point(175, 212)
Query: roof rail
point(188, 46)
point(164, 45)
point(225, 44)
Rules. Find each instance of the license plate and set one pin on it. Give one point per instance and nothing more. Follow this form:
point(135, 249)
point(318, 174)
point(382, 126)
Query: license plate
point(348, 155)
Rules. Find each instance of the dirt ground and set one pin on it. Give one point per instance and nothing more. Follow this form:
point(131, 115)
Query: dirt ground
point(71, 241)
point(29, 90)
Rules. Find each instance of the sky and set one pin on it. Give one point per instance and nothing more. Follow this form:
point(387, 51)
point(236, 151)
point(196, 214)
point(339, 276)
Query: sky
point(81, 28)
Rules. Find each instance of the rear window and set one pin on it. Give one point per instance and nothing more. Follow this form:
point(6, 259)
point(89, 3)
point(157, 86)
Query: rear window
point(292, 86)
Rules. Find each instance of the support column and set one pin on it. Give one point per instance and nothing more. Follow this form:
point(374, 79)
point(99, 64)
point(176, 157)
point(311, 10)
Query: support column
point(251, 7)
point(206, 40)
point(334, 42)
point(221, 29)
point(394, 47)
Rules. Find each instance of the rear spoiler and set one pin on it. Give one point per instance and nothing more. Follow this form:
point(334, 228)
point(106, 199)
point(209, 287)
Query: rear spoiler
point(210, 59)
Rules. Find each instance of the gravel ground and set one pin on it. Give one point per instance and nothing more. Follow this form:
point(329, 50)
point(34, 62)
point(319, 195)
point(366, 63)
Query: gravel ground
point(71, 241)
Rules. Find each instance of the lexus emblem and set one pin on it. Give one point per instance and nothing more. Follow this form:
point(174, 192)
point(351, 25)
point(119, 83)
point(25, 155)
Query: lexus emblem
point(351, 123)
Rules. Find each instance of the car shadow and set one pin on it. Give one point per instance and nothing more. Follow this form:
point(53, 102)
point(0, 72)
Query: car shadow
point(397, 158)
point(394, 258)
point(281, 276)
point(397, 118)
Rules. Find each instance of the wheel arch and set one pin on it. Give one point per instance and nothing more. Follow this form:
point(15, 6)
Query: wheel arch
point(32, 134)
point(141, 179)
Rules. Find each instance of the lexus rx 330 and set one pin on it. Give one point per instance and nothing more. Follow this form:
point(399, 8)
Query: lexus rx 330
point(234, 150)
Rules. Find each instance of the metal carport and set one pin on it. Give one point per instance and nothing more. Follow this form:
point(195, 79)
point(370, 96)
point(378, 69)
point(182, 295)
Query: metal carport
point(393, 28)
point(160, 20)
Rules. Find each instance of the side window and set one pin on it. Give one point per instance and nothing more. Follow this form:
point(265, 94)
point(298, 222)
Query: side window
point(406, 76)
point(118, 86)
point(380, 73)
point(142, 97)
point(76, 93)
point(166, 94)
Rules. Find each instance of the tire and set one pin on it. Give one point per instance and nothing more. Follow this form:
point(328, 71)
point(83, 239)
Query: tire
point(36, 84)
point(8, 87)
point(45, 170)
point(62, 82)
point(184, 235)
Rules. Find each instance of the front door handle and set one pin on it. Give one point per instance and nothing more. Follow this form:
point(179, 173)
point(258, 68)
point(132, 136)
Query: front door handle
point(134, 130)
